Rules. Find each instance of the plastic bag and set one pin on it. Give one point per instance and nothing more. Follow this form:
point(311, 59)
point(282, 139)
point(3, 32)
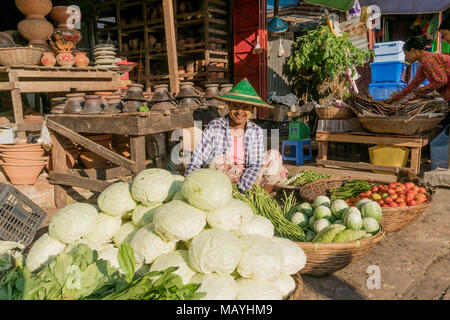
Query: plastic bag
point(46, 139)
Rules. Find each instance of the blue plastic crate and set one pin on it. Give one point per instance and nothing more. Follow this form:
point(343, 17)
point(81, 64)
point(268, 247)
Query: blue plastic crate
point(390, 71)
point(383, 90)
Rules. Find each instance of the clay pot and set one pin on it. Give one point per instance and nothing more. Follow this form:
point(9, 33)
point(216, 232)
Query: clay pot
point(21, 146)
point(65, 59)
point(36, 9)
point(135, 93)
point(190, 66)
point(212, 45)
point(81, 60)
point(27, 154)
point(36, 31)
point(133, 105)
point(225, 88)
point(60, 15)
point(152, 12)
point(92, 105)
point(22, 160)
point(113, 105)
point(157, 47)
point(22, 174)
point(75, 103)
point(164, 105)
point(212, 90)
point(91, 160)
point(192, 103)
point(67, 34)
point(134, 44)
point(161, 93)
point(48, 59)
point(187, 90)
point(220, 75)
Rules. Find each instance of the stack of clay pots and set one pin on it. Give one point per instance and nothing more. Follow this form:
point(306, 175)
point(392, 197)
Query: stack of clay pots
point(134, 98)
point(74, 103)
point(163, 100)
point(113, 104)
point(92, 160)
point(22, 162)
point(35, 28)
point(188, 96)
point(61, 15)
point(212, 91)
point(93, 104)
point(57, 105)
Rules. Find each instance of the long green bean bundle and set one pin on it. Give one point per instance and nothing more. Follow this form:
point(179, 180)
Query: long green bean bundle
point(350, 189)
point(264, 205)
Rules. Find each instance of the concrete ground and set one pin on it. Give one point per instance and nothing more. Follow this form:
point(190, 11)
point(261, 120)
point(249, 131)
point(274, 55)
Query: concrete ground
point(413, 262)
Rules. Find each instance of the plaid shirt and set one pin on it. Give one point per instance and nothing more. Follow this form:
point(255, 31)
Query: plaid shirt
point(216, 140)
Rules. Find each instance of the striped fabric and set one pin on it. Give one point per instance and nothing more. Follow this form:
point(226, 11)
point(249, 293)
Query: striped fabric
point(217, 140)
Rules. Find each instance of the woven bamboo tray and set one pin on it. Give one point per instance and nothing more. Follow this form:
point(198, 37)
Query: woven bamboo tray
point(20, 56)
point(392, 220)
point(298, 288)
point(334, 113)
point(326, 258)
point(398, 125)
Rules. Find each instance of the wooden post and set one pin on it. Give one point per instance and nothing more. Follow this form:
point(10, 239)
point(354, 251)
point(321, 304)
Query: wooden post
point(17, 103)
point(416, 155)
point(59, 165)
point(119, 26)
point(172, 59)
point(137, 148)
point(322, 154)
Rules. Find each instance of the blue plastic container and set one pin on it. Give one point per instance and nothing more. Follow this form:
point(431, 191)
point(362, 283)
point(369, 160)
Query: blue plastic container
point(414, 67)
point(383, 90)
point(439, 150)
point(390, 71)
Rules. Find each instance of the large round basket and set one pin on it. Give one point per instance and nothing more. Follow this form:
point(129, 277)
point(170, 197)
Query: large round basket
point(20, 56)
point(334, 113)
point(393, 219)
point(398, 125)
point(326, 258)
point(295, 295)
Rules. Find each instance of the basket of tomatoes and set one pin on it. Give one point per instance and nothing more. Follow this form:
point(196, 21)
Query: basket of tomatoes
point(402, 203)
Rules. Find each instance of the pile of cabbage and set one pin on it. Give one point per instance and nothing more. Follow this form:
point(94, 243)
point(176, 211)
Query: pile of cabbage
point(192, 223)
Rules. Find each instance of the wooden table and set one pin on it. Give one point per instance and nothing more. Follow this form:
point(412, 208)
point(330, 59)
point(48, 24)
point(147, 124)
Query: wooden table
point(135, 125)
point(23, 79)
point(416, 143)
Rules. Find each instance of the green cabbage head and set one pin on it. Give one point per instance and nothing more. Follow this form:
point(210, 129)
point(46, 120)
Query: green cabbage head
point(216, 286)
point(152, 186)
point(207, 189)
point(43, 251)
point(73, 222)
point(178, 258)
point(116, 200)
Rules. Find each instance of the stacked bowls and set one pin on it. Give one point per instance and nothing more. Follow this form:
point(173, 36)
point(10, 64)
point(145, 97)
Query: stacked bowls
point(22, 162)
point(105, 56)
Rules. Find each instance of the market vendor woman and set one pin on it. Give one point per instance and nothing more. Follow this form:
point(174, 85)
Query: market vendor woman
point(235, 145)
point(433, 66)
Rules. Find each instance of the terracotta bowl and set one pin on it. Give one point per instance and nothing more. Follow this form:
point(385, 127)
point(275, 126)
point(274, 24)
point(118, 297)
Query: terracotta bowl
point(21, 146)
point(23, 174)
point(21, 160)
point(27, 154)
point(91, 160)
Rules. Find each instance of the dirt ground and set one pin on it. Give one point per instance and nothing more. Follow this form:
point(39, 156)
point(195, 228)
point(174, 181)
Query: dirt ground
point(413, 262)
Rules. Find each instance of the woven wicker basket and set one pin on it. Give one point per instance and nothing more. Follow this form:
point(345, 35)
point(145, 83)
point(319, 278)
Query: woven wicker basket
point(326, 258)
point(392, 220)
point(295, 295)
point(334, 113)
point(20, 56)
point(398, 125)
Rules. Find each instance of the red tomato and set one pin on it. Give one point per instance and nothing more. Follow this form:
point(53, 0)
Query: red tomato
point(394, 196)
point(409, 185)
point(374, 189)
point(420, 198)
point(385, 206)
point(402, 204)
point(392, 185)
point(398, 189)
point(410, 196)
point(422, 190)
point(412, 203)
point(393, 204)
point(415, 189)
point(403, 187)
point(391, 191)
point(397, 183)
point(399, 199)
point(380, 202)
point(388, 200)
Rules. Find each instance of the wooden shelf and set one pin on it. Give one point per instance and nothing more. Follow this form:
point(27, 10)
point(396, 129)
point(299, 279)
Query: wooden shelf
point(191, 22)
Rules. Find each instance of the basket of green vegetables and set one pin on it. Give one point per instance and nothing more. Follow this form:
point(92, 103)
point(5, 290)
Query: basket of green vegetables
point(302, 178)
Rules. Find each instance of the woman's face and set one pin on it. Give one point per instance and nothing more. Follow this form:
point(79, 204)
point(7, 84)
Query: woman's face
point(240, 112)
point(445, 35)
point(412, 55)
